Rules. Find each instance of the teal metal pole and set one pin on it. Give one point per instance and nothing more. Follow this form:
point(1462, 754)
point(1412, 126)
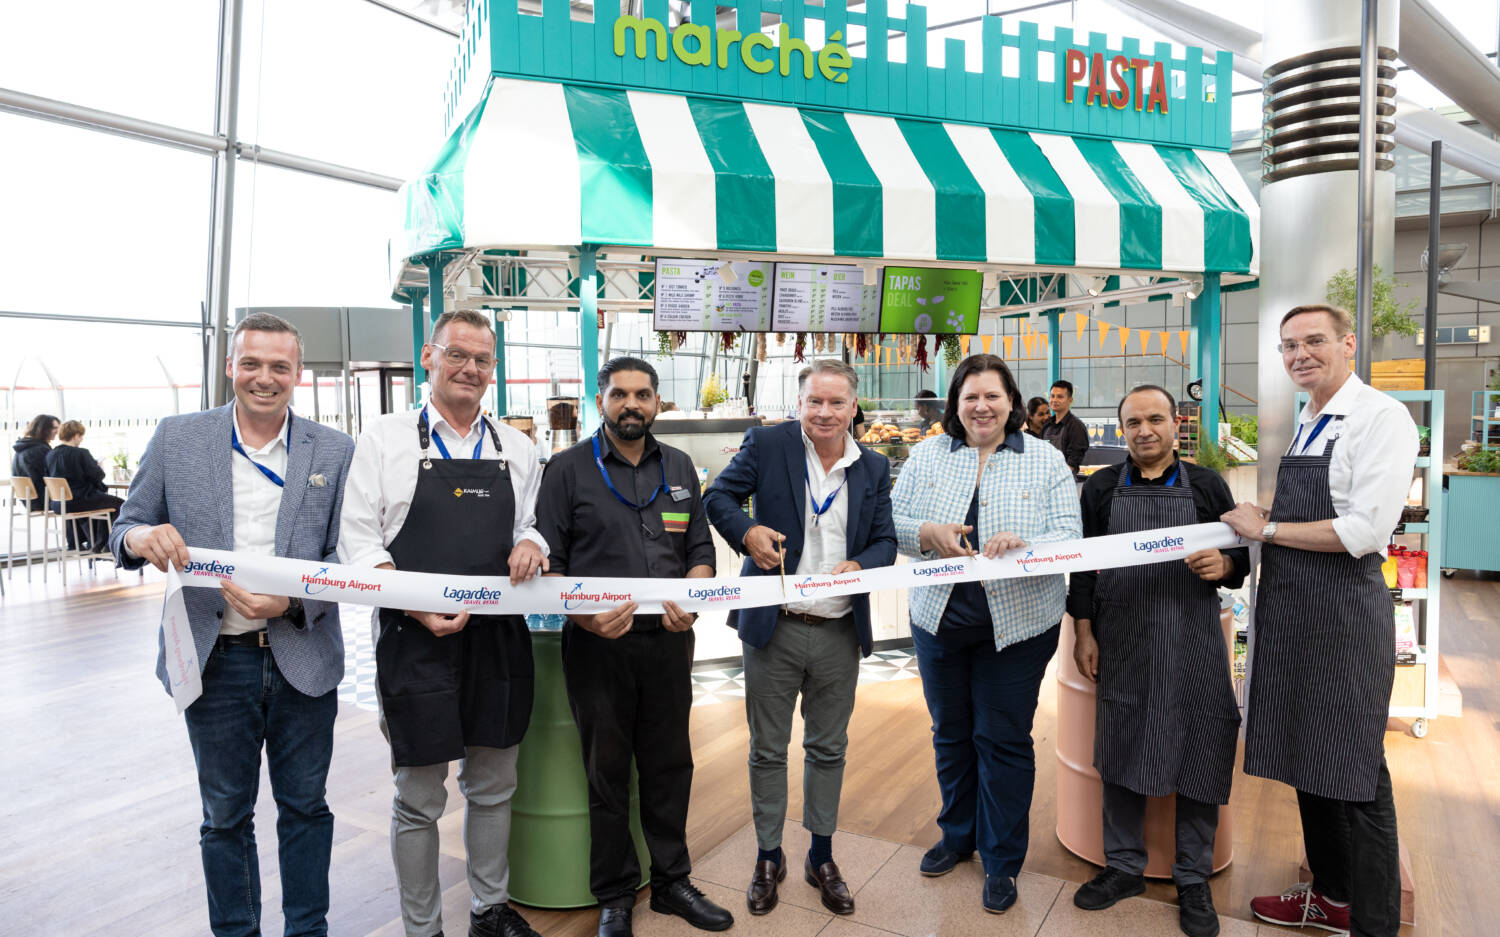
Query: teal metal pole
point(588, 336)
point(435, 264)
point(502, 392)
point(1208, 355)
point(1054, 351)
point(418, 339)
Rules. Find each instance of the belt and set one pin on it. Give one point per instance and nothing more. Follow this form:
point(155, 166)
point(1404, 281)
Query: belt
point(248, 639)
point(809, 618)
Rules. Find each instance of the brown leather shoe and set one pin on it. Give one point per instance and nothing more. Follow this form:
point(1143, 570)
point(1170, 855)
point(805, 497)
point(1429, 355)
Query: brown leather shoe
point(761, 896)
point(830, 885)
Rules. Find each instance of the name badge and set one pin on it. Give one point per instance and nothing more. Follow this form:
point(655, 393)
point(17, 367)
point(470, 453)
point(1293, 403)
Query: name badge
point(681, 494)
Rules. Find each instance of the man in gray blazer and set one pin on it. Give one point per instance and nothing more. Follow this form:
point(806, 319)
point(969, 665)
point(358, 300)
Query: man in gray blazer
point(253, 478)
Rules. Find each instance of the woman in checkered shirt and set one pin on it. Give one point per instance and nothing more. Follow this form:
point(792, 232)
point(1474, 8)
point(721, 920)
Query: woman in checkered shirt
point(982, 647)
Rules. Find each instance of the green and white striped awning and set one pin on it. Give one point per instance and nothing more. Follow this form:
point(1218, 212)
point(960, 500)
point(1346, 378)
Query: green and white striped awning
point(539, 165)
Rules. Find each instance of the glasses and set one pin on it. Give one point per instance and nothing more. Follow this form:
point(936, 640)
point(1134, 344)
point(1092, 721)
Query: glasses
point(1312, 345)
point(459, 359)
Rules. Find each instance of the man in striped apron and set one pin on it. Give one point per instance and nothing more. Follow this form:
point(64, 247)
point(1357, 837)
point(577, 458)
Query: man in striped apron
point(1324, 657)
point(1150, 636)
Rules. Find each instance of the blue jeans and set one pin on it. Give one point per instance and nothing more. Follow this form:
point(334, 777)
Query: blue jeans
point(247, 703)
point(982, 703)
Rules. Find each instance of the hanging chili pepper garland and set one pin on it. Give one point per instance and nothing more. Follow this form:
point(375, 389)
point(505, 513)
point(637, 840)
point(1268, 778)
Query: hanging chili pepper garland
point(921, 353)
point(861, 344)
point(799, 353)
point(728, 340)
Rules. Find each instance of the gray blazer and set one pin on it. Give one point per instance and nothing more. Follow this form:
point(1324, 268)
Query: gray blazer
point(186, 479)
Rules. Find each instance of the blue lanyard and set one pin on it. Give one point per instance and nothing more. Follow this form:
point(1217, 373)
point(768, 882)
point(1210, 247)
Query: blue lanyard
point(234, 441)
point(444, 449)
point(819, 510)
point(599, 461)
point(1317, 428)
point(1171, 479)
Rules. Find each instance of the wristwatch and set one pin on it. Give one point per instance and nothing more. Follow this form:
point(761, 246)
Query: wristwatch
point(1268, 532)
point(294, 612)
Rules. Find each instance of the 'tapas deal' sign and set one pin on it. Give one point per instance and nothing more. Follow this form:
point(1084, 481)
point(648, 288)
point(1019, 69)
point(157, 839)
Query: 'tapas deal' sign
point(1125, 92)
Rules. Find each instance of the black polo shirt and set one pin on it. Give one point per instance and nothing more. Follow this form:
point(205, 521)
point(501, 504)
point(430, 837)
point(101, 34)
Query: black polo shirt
point(1211, 500)
point(591, 532)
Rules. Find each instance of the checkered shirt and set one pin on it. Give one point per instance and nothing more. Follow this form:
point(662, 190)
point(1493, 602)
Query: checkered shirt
point(1030, 493)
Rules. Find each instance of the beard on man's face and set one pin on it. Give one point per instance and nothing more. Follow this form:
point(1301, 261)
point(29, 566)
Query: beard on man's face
point(627, 429)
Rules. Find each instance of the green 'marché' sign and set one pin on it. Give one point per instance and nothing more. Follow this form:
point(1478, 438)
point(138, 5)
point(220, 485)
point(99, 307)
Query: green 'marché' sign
point(792, 52)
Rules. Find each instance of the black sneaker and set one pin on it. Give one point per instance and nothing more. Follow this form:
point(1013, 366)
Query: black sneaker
point(940, 860)
point(1108, 887)
point(499, 920)
point(1195, 910)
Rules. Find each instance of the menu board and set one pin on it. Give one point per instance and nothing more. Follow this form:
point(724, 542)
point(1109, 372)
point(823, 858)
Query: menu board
point(712, 296)
point(824, 298)
point(930, 301)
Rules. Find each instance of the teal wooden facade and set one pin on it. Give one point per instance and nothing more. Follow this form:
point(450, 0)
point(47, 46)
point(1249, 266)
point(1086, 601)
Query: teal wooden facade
point(1012, 80)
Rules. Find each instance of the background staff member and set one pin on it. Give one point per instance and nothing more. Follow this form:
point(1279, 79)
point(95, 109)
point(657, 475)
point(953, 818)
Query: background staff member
point(445, 490)
point(1037, 414)
point(982, 648)
point(1064, 430)
point(1166, 717)
point(1325, 641)
point(254, 478)
point(622, 504)
point(826, 501)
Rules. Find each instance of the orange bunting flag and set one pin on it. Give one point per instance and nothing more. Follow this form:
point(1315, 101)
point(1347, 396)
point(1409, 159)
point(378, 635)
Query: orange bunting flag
point(1104, 328)
point(1010, 343)
point(1145, 338)
point(1182, 339)
point(1124, 340)
point(963, 343)
point(984, 342)
point(1044, 343)
point(1164, 339)
point(1080, 322)
point(1030, 342)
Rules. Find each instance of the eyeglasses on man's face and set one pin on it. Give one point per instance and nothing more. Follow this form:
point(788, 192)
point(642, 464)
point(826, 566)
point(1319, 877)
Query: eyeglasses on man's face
point(1312, 345)
point(459, 359)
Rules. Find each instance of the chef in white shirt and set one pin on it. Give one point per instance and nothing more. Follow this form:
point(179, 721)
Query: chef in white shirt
point(445, 489)
point(1324, 658)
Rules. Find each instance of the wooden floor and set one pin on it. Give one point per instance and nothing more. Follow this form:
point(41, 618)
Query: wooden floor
point(98, 822)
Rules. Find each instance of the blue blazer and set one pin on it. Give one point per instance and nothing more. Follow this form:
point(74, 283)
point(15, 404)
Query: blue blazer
point(769, 467)
point(186, 479)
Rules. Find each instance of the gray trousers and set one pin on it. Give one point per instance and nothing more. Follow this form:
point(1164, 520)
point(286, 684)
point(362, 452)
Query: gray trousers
point(1125, 834)
point(820, 662)
point(487, 779)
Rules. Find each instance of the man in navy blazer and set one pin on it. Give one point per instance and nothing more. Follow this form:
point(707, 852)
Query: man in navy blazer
point(822, 505)
point(253, 478)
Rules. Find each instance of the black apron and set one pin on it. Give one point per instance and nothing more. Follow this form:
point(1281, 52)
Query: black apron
point(1166, 720)
point(441, 695)
point(1325, 651)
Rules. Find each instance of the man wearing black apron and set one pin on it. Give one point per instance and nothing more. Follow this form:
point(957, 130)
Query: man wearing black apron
point(1166, 718)
point(1324, 650)
point(445, 490)
point(622, 504)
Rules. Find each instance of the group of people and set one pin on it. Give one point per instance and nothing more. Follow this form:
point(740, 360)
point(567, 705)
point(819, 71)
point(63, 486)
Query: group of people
point(445, 489)
point(35, 458)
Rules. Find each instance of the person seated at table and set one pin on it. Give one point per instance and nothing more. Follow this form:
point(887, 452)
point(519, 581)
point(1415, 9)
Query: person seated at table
point(30, 458)
point(78, 467)
point(983, 647)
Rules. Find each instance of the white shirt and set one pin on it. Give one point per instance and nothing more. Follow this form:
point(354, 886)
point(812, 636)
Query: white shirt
point(257, 500)
point(1371, 471)
point(383, 479)
point(825, 543)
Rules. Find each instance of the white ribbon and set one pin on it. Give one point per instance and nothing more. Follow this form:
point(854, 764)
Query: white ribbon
point(491, 595)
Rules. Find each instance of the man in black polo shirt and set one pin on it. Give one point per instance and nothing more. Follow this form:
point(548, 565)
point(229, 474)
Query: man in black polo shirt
point(1064, 430)
point(622, 504)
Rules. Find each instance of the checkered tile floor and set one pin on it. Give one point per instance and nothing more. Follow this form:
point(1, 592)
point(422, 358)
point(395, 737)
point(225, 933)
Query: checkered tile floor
point(710, 685)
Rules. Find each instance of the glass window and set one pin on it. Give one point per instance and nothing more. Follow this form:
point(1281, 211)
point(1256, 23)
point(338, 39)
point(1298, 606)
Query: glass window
point(154, 61)
point(343, 81)
point(99, 225)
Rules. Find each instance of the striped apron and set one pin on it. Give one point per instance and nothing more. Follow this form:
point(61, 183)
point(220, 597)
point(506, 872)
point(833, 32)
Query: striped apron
point(1325, 651)
point(1166, 718)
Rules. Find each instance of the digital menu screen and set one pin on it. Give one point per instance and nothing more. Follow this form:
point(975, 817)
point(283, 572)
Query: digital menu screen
point(712, 296)
point(930, 301)
point(825, 298)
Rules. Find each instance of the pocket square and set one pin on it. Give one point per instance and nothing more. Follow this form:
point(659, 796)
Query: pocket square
point(317, 481)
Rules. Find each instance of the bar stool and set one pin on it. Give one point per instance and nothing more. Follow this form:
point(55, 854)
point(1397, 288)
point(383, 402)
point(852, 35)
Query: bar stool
point(23, 488)
point(60, 491)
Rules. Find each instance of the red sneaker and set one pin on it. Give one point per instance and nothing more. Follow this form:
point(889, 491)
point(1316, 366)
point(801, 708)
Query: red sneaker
point(1300, 906)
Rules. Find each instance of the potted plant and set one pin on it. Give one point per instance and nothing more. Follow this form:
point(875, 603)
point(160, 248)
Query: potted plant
point(1388, 316)
point(121, 467)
